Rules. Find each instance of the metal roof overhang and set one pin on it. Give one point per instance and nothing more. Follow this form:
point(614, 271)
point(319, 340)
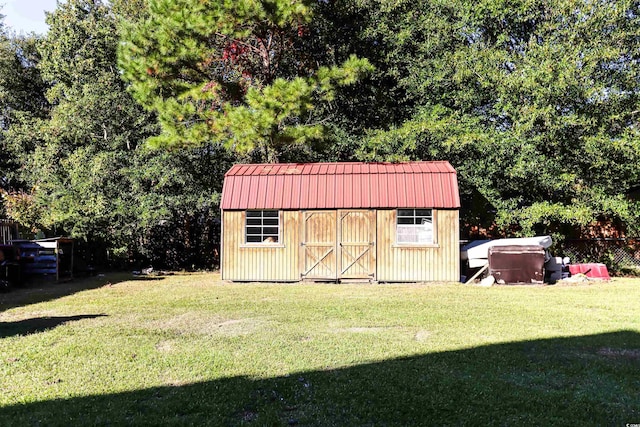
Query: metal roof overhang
point(292, 186)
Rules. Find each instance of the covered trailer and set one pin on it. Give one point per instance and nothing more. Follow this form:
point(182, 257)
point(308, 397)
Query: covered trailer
point(47, 257)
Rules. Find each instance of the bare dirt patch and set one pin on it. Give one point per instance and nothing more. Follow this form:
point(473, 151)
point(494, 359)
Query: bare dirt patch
point(359, 330)
point(422, 335)
point(405, 332)
point(205, 324)
point(165, 346)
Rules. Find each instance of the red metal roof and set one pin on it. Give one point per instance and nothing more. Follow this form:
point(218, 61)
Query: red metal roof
point(340, 185)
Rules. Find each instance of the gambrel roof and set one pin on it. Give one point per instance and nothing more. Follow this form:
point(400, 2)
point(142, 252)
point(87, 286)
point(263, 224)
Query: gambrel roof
point(291, 186)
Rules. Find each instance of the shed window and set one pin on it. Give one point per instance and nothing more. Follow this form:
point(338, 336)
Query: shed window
point(262, 227)
point(414, 226)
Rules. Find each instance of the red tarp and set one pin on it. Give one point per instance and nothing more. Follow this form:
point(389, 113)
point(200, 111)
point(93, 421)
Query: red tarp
point(593, 270)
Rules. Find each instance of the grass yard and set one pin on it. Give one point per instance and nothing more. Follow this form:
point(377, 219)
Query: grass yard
point(190, 349)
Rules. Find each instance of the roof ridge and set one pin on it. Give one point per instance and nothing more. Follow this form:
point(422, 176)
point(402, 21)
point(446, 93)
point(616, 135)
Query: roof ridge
point(341, 185)
point(342, 168)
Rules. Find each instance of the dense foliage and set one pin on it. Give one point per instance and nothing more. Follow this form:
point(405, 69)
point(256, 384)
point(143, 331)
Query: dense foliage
point(233, 72)
point(535, 104)
point(21, 94)
point(84, 168)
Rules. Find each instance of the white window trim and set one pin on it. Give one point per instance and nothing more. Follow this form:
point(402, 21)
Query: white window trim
point(434, 237)
point(263, 244)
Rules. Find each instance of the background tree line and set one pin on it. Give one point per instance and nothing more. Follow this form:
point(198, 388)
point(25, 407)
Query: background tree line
point(119, 123)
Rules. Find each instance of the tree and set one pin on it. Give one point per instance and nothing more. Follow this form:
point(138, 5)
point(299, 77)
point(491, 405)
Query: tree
point(231, 72)
point(534, 103)
point(85, 165)
point(81, 147)
point(22, 92)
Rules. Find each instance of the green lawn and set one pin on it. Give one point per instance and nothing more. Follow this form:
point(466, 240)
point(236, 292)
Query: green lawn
point(190, 349)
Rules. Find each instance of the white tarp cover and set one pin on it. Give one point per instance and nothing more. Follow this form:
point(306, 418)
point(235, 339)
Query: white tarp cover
point(479, 249)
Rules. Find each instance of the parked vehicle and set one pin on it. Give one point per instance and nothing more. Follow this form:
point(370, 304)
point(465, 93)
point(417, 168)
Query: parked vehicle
point(10, 271)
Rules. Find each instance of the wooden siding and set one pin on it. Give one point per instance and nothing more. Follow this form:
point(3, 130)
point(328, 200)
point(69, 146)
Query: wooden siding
point(357, 237)
point(272, 262)
point(406, 263)
point(8, 231)
point(319, 260)
point(389, 262)
point(338, 244)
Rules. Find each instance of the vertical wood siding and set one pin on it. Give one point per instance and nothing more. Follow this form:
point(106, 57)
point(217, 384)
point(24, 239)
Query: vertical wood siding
point(356, 238)
point(390, 262)
point(319, 259)
point(8, 231)
point(403, 263)
point(338, 244)
point(241, 262)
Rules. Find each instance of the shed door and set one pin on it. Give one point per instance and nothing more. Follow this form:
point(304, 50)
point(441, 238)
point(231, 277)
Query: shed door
point(319, 245)
point(338, 244)
point(357, 244)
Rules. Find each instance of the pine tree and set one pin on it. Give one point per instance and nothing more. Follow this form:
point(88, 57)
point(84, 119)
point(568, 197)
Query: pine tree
point(231, 72)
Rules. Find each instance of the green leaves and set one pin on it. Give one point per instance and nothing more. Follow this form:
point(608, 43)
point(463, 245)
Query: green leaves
point(80, 41)
point(537, 103)
point(83, 160)
point(230, 72)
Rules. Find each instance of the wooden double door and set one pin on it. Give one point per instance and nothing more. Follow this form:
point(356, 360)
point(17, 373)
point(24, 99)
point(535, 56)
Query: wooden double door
point(338, 244)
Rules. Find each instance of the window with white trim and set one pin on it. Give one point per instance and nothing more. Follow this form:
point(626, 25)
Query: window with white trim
point(414, 226)
point(262, 227)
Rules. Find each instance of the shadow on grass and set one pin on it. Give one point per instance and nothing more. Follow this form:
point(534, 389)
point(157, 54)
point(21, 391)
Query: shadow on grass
point(147, 278)
point(39, 324)
point(587, 380)
point(41, 289)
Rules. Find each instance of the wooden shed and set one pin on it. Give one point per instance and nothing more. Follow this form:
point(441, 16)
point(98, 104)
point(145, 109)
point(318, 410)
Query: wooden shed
point(384, 222)
point(8, 231)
